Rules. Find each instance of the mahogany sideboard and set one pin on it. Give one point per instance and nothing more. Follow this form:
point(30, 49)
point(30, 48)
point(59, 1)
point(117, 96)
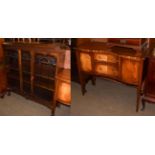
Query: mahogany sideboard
point(110, 61)
point(32, 71)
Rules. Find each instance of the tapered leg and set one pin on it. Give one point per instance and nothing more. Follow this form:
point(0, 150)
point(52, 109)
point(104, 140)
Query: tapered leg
point(140, 85)
point(9, 92)
point(83, 84)
point(53, 112)
point(58, 104)
point(1, 95)
point(53, 109)
point(83, 88)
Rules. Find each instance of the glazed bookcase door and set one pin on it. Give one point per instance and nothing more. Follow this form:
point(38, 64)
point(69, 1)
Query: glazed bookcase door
point(12, 65)
point(44, 76)
point(26, 72)
point(3, 80)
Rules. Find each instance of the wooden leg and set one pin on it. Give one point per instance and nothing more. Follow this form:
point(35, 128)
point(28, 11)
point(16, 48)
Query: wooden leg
point(83, 88)
point(9, 92)
point(83, 84)
point(140, 85)
point(53, 108)
point(1, 96)
point(138, 99)
point(58, 104)
point(143, 105)
point(53, 112)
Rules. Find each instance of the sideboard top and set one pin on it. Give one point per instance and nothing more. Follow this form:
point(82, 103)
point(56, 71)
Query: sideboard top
point(106, 48)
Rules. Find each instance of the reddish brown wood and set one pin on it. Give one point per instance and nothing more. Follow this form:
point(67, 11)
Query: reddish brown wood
point(33, 69)
point(3, 79)
point(151, 43)
point(149, 84)
point(63, 93)
point(63, 88)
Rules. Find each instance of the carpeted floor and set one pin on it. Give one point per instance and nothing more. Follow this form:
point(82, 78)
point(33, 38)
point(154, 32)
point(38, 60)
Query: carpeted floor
point(16, 105)
point(107, 98)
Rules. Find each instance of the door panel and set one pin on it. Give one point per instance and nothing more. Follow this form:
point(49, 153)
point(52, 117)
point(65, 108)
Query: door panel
point(64, 92)
point(85, 60)
point(130, 70)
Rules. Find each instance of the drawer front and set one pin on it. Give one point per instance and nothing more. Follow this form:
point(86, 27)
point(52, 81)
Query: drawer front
point(64, 92)
point(105, 58)
point(85, 62)
point(108, 70)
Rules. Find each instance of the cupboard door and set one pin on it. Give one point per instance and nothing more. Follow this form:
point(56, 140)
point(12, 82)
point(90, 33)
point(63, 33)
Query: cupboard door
point(64, 92)
point(130, 69)
point(85, 62)
point(13, 73)
point(26, 71)
point(63, 86)
point(44, 76)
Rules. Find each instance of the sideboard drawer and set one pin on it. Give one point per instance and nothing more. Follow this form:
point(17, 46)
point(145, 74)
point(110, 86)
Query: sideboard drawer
point(105, 57)
point(106, 69)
